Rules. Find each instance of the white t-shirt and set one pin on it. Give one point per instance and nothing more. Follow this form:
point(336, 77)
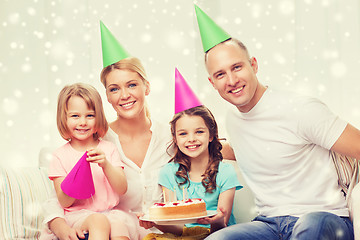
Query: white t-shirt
point(282, 148)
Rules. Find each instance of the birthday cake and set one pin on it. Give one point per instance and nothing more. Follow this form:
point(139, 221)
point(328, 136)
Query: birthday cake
point(178, 209)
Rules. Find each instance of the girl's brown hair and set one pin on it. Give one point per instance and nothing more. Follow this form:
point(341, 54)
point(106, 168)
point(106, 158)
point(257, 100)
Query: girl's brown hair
point(215, 156)
point(93, 100)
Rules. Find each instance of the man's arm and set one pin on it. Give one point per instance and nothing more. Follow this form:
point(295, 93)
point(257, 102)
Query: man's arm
point(227, 151)
point(348, 143)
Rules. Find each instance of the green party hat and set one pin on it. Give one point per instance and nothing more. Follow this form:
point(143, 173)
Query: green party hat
point(211, 33)
point(111, 49)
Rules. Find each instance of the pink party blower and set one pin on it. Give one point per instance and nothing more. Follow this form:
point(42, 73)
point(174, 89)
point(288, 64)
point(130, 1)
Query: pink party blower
point(79, 183)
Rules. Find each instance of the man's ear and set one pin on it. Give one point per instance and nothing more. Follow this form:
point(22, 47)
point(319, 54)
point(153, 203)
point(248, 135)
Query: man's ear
point(211, 81)
point(254, 64)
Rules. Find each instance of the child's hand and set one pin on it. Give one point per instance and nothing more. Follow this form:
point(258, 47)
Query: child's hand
point(145, 224)
point(217, 219)
point(96, 155)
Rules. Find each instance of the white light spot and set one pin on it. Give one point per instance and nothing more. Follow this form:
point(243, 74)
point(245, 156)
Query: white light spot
point(26, 67)
point(286, 7)
point(13, 45)
point(46, 137)
point(69, 62)
point(146, 37)
point(18, 93)
point(186, 51)
point(325, 3)
point(14, 18)
point(256, 10)
point(58, 81)
point(258, 45)
point(238, 20)
point(48, 44)
point(321, 88)
point(31, 11)
point(9, 123)
point(46, 118)
point(45, 101)
point(54, 68)
point(175, 40)
point(279, 58)
point(40, 35)
point(338, 69)
point(330, 54)
point(10, 106)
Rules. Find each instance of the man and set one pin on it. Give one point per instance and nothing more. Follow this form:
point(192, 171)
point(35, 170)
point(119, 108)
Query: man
point(282, 143)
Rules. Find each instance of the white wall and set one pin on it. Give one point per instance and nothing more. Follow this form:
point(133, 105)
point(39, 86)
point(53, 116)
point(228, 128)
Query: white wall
point(305, 45)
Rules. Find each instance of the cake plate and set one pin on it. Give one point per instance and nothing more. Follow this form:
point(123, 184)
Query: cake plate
point(177, 221)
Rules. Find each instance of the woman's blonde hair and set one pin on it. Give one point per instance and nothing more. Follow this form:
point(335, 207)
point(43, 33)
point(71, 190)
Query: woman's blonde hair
point(93, 100)
point(131, 64)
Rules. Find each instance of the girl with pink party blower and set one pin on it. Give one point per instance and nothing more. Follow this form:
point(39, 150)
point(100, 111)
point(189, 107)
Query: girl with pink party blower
point(81, 121)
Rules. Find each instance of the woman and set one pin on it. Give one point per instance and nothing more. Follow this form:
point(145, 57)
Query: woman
point(141, 141)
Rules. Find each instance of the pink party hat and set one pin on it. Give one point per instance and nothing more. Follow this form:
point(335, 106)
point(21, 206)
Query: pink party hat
point(79, 183)
point(184, 96)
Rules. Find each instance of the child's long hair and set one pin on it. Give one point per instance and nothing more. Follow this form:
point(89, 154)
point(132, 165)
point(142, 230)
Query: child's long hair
point(93, 100)
point(215, 156)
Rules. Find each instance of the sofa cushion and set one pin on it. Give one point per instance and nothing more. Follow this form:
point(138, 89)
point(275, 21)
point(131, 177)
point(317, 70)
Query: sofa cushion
point(22, 192)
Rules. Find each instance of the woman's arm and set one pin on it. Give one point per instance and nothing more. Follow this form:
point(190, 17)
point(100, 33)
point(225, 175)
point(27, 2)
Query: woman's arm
point(115, 175)
point(63, 231)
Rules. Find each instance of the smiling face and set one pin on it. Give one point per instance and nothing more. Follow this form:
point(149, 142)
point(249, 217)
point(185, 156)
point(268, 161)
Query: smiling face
point(233, 74)
point(192, 136)
point(126, 92)
point(80, 121)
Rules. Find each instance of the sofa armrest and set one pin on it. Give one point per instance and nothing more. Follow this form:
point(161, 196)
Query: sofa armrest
point(22, 191)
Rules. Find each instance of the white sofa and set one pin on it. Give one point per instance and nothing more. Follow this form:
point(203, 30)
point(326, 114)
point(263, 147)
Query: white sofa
point(23, 190)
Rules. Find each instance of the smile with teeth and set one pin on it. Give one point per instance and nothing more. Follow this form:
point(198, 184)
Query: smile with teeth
point(237, 89)
point(82, 130)
point(192, 147)
point(127, 105)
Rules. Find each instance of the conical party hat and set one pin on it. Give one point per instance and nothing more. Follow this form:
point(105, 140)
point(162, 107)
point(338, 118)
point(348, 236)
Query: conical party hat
point(79, 183)
point(184, 96)
point(211, 33)
point(112, 51)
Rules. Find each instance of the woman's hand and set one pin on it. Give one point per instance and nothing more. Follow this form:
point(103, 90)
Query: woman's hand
point(145, 224)
point(63, 231)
